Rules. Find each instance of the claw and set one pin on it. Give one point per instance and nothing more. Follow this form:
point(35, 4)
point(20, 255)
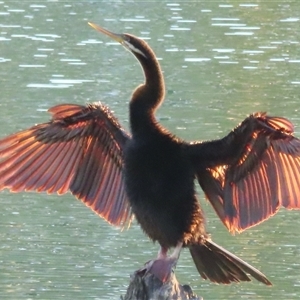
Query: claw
point(163, 266)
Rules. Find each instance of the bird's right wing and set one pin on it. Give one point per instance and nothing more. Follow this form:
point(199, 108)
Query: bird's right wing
point(79, 150)
point(248, 175)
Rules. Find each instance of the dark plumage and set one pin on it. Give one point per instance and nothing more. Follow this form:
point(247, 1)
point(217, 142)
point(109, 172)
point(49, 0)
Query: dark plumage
point(246, 176)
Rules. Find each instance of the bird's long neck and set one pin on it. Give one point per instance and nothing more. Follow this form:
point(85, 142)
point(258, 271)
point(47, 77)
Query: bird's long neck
point(148, 96)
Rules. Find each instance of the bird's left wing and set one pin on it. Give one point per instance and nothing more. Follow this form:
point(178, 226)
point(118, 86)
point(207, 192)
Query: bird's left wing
point(79, 150)
point(251, 172)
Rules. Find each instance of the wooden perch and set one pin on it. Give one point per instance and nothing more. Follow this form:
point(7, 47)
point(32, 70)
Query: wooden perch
point(145, 286)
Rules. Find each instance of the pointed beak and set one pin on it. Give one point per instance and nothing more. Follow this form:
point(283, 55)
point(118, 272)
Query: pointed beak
point(124, 39)
point(115, 36)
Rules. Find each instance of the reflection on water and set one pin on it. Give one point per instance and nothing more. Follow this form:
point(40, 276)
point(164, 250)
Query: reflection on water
point(221, 62)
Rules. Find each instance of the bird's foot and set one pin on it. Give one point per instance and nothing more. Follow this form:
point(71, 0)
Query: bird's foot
point(161, 268)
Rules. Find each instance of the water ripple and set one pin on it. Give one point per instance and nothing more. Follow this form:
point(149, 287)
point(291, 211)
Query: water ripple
point(69, 81)
point(37, 6)
point(224, 50)
point(32, 66)
point(248, 5)
point(240, 33)
point(134, 20)
point(48, 86)
point(2, 59)
point(174, 27)
point(90, 41)
point(290, 20)
point(196, 59)
point(228, 24)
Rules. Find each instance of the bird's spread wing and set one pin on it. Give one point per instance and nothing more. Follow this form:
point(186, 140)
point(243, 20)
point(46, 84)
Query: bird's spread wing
point(79, 150)
point(261, 174)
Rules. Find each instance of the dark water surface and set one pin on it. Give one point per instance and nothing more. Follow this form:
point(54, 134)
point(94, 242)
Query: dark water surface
point(222, 60)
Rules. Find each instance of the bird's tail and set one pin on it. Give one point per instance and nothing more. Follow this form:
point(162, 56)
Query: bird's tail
point(219, 265)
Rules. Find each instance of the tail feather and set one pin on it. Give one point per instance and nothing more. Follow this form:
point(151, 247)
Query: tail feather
point(219, 265)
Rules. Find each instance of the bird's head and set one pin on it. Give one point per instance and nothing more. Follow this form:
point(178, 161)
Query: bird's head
point(132, 43)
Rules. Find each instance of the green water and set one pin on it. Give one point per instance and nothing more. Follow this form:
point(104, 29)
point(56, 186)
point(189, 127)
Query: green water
point(222, 60)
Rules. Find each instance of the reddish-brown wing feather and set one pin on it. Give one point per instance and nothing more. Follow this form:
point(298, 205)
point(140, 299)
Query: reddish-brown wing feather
point(265, 176)
point(79, 150)
point(273, 182)
point(271, 179)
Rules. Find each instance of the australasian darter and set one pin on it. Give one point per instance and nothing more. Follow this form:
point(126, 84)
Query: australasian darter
point(151, 174)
